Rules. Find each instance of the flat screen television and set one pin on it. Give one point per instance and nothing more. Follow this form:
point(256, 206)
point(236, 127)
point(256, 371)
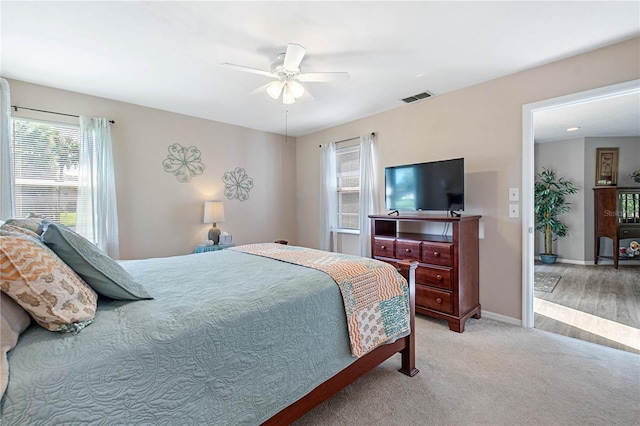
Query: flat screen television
point(436, 185)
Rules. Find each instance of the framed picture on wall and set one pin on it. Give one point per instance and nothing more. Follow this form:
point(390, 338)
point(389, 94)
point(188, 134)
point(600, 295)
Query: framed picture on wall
point(606, 166)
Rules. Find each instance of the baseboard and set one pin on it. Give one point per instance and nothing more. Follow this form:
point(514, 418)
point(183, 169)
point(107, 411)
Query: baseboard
point(501, 318)
point(575, 262)
point(571, 261)
point(591, 262)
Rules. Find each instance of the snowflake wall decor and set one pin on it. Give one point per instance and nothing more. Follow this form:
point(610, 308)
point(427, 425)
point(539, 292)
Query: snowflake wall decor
point(183, 162)
point(237, 184)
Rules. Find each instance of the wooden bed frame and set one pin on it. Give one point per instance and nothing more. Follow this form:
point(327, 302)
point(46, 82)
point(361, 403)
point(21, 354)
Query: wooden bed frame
point(364, 364)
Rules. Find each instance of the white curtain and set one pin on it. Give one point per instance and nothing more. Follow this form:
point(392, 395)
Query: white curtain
point(7, 204)
point(368, 191)
point(328, 198)
point(97, 213)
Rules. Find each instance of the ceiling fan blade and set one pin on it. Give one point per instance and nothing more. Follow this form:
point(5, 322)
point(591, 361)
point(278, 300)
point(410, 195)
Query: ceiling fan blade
point(260, 89)
point(307, 95)
point(251, 70)
point(293, 57)
point(323, 77)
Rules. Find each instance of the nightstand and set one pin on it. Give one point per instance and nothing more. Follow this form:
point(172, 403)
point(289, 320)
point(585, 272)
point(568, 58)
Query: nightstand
point(201, 248)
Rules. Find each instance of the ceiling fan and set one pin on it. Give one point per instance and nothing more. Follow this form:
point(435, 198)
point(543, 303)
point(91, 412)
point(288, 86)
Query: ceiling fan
point(287, 74)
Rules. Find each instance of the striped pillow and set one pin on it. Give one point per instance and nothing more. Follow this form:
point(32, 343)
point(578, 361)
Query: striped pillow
point(39, 281)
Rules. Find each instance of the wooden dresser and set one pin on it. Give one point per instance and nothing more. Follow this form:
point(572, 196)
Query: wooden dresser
point(616, 216)
point(447, 284)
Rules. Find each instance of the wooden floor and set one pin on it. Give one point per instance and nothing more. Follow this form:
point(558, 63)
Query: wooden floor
point(597, 303)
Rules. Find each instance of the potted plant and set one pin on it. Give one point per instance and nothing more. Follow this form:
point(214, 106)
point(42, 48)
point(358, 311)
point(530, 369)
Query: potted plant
point(550, 201)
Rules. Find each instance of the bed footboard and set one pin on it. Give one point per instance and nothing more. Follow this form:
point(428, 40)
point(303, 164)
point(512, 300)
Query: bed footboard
point(408, 270)
point(364, 364)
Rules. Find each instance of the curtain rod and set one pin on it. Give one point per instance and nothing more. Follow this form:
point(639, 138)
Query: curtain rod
point(16, 107)
point(350, 139)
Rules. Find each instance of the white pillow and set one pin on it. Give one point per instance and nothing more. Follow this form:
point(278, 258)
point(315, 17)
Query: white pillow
point(14, 320)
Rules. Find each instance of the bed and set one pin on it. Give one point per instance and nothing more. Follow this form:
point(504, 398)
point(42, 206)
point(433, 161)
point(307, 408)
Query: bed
point(230, 337)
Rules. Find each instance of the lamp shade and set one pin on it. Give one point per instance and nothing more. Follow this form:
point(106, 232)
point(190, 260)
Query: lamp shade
point(274, 89)
point(287, 96)
point(296, 89)
point(213, 212)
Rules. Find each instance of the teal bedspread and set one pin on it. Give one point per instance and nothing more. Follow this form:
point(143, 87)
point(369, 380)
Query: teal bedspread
point(229, 338)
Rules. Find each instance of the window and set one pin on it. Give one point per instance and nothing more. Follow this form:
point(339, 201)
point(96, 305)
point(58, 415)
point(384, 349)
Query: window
point(348, 185)
point(45, 160)
point(629, 207)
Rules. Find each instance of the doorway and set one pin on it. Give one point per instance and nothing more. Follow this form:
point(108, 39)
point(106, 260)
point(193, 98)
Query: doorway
point(528, 177)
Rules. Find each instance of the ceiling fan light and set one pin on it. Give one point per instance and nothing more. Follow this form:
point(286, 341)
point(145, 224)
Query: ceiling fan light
point(287, 96)
point(274, 89)
point(296, 89)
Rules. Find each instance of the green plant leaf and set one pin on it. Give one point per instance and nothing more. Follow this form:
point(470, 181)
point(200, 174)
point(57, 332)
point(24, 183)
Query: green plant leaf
point(550, 197)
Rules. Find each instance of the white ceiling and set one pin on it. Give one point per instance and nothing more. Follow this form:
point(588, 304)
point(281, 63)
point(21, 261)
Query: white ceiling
point(167, 55)
point(613, 116)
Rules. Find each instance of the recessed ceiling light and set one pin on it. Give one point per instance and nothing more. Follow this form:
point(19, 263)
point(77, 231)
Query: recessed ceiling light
point(573, 129)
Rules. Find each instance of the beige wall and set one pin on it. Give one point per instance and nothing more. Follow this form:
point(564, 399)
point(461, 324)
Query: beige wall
point(159, 216)
point(483, 124)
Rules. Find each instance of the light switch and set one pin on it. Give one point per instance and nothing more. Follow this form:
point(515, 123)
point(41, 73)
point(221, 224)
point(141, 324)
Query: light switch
point(514, 194)
point(514, 210)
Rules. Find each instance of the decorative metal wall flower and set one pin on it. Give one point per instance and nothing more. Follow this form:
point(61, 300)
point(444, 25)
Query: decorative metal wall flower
point(183, 162)
point(237, 184)
point(636, 176)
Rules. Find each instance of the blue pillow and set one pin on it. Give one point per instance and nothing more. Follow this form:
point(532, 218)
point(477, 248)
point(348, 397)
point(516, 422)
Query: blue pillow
point(102, 273)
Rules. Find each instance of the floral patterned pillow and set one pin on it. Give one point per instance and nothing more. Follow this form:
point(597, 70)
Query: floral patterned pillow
point(39, 281)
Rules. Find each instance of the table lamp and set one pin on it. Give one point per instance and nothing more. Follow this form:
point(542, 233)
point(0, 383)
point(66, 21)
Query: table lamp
point(213, 213)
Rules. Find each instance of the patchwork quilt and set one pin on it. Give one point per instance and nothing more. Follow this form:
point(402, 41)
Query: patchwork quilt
point(375, 295)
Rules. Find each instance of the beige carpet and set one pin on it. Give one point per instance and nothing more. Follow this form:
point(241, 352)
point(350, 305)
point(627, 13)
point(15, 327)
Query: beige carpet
point(493, 374)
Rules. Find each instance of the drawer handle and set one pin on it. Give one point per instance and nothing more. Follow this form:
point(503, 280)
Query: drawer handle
point(438, 299)
point(436, 253)
point(407, 250)
point(439, 277)
point(383, 247)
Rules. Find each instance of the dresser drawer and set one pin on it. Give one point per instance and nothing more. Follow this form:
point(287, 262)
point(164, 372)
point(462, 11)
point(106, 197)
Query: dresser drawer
point(384, 247)
point(434, 299)
point(629, 231)
point(437, 253)
point(435, 277)
point(408, 249)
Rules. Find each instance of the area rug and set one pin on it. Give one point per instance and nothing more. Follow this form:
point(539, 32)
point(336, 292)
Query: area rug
point(545, 281)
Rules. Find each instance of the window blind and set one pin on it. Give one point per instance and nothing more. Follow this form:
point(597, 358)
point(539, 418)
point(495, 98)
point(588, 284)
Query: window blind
point(348, 185)
point(45, 157)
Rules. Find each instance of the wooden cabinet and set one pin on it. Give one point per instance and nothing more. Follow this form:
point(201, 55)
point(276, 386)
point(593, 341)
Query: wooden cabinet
point(447, 284)
point(616, 216)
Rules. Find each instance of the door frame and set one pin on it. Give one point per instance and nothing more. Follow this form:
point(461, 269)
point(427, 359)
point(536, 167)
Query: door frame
point(528, 176)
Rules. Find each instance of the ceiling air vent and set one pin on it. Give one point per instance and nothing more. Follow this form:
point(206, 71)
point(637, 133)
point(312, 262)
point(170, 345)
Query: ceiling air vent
point(419, 96)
